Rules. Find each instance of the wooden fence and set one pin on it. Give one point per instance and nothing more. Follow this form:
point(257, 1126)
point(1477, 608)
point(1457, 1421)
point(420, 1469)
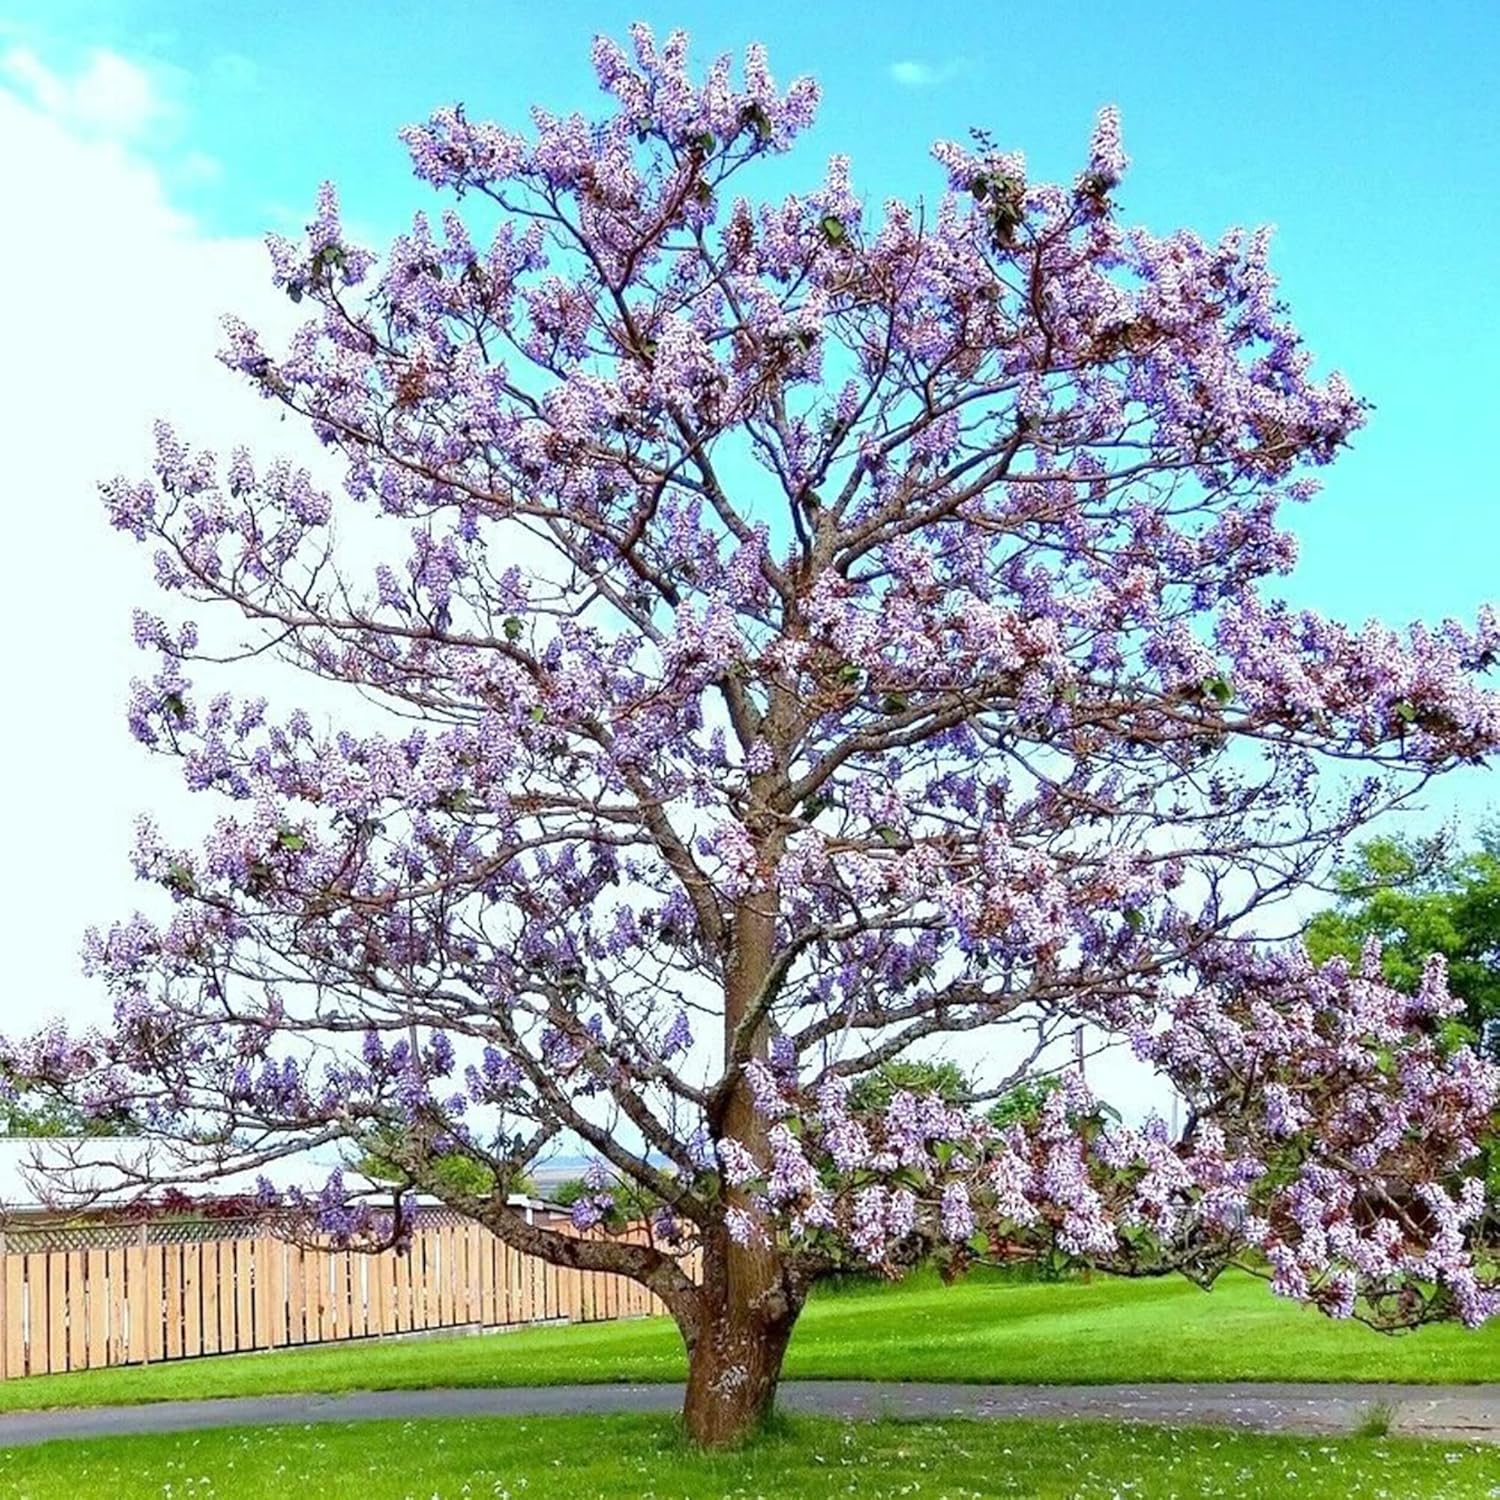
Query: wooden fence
point(139, 1295)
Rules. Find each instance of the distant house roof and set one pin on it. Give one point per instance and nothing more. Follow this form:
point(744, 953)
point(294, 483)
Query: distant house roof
point(59, 1172)
point(40, 1174)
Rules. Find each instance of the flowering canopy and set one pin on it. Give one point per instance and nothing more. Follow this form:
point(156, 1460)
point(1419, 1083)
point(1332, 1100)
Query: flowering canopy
point(822, 629)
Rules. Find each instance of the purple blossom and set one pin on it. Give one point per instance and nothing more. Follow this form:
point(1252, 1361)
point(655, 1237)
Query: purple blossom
point(955, 703)
point(957, 1215)
point(739, 1165)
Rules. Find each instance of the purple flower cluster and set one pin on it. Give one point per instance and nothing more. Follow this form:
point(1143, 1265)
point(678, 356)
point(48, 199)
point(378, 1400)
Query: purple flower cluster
point(865, 623)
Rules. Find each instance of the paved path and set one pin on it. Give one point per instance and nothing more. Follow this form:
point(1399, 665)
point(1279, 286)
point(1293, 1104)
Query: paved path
point(1470, 1412)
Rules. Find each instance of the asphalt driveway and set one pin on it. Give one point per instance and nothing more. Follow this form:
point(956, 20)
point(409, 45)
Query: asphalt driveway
point(1469, 1412)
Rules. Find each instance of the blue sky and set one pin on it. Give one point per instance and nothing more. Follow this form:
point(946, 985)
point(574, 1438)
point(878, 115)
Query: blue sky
point(1368, 135)
point(149, 143)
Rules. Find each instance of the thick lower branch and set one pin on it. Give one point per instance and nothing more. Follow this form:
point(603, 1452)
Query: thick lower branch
point(652, 1268)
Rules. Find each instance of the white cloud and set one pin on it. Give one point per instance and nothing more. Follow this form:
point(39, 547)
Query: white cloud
point(198, 167)
point(111, 96)
point(112, 319)
point(911, 74)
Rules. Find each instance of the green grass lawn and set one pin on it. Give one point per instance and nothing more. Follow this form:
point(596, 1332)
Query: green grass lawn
point(986, 1328)
point(643, 1458)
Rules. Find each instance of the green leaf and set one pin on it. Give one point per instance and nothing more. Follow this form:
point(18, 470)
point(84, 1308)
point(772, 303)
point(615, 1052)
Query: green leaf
point(1219, 689)
point(1005, 222)
point(1406, 711)
point(513, 628)
point(538, 713)
point(1453, 1034)
point(329, 255)
point(754, 116)
point(894, 703)
point(849, 673)
point(833, 229)
point(1134, 920)
point(291, 840)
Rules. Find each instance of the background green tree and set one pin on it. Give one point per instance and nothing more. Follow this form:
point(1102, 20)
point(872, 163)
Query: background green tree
point(1419, 897)
point(25, 1112)
point(455, 1169)
point(952, 1085)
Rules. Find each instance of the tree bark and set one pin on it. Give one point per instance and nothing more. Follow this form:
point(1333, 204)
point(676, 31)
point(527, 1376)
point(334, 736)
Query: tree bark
point(739, 1324)
point(746, 1309)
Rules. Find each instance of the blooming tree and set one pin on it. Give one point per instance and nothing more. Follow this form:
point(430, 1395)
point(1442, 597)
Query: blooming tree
point(799, 633)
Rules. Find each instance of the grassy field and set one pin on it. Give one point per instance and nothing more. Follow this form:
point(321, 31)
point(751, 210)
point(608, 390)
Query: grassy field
point(642, 1458)
point(986, 1328)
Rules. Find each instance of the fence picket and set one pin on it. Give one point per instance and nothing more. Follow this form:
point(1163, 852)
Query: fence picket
point(75, 1310)
point(228, 1339)
point(98, 1294)
point(445, 1276)
point(17, 1315)
point(172, 1297)
point(321, 1278)
point(75, 1298)
point(473, 1253)
point(57, 1313)
point(426, 1283)
point(489, 1249)
point(328, 1284)
point(260, 1287)
point(296, 1295)
point(341, 1293)
point(192, 1300)
point(376, 1268)
point(404, 1323)
point(273, 1253)
point(208, 1279)
point(39, 1284)
point(243, 1305)
point(504, 1276)
point(156, 1347)
point(390, 1266)
point(359, 1295)
point(114, 1265)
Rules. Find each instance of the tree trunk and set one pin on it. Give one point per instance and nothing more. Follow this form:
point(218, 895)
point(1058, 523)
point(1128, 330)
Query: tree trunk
point(746, 1313)
point(738, 1325)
